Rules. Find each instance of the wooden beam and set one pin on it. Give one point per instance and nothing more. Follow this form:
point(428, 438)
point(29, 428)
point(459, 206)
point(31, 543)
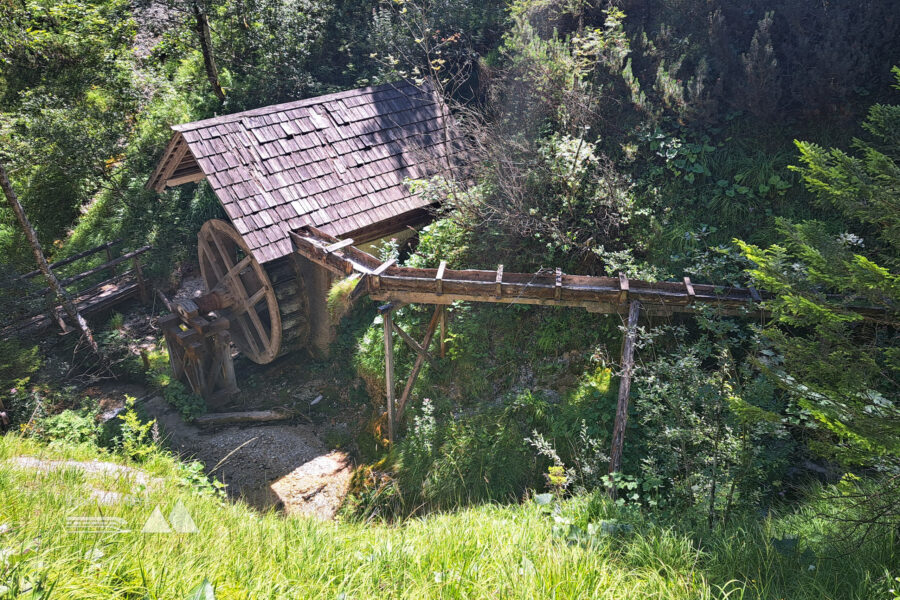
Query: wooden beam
point(624, 287)
point(420, 359)
point(498, 282)
point(754, 294)
point(618, 437)
point(389, 370)
point(416, 347)
point(439, 278)
point(186, 178)
point(689, 288)
point(382, 268)
point(338, 245)
point(74, 257)
point(443, 331)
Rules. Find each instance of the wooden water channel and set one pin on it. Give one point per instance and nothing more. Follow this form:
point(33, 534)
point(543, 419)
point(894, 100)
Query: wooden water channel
point(397, 286)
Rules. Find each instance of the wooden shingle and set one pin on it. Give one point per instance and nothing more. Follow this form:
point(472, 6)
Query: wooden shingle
point(336, 161)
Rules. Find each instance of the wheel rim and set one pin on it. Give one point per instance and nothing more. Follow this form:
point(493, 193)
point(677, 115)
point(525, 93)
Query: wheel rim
point(227, 265)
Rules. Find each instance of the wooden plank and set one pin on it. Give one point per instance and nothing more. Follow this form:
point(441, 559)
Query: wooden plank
point(618, 437)
point(443, 331)
point(420, 360)
point(623, 288)
point(185, 178)
point(124, 258)
point(338, 245)
point(389, 370)
point(689, 288)
point(557, 291)
point(439, 277)
point(60, 263)
point(498, 282)
point(754, 294)
point(416, 347)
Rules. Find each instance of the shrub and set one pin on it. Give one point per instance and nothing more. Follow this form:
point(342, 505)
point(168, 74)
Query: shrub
point(70, 426)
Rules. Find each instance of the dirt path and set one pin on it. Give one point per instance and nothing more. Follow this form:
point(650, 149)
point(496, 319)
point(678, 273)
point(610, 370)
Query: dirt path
point(279, 465)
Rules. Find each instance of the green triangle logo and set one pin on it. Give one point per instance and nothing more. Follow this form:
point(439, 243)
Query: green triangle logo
point(181, 519)
point(156, 523)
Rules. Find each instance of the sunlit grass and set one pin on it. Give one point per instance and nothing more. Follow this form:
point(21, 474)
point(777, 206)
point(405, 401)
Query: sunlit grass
point(483, 552)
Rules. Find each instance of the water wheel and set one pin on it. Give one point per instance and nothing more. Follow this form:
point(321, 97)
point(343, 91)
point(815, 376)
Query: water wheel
point(266, 317)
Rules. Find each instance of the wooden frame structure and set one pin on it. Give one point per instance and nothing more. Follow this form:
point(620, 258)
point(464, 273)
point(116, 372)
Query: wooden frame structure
point(200, 351)
point(398, 286)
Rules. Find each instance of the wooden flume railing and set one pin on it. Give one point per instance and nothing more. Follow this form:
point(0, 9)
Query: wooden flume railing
point(389, 282)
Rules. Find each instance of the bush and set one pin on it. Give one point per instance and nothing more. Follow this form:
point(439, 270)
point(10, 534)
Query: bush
point(70, 426)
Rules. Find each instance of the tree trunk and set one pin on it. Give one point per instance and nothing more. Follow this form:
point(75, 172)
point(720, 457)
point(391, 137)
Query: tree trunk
point(43, 265)
point(209, 61)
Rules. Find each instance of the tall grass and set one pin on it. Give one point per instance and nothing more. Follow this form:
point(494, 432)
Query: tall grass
point(484, 552)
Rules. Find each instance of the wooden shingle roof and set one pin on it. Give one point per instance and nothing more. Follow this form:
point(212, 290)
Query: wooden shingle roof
point(337, 162)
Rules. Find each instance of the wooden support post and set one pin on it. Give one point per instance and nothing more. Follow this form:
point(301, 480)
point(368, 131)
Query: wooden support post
point(623, 288)
point(689, 288)
point(618, 437)
point(439, 278)
point(389, 368)
point(142, 283)
point(223, 339)
point(109, 258)
point(443, 331)
point(498, 282)
point(420, 359)
point(558, 287)
point(416, 347)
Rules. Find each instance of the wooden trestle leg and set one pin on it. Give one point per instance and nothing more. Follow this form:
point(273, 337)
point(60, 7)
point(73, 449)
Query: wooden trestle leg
point(387, 315)
point(618, 437)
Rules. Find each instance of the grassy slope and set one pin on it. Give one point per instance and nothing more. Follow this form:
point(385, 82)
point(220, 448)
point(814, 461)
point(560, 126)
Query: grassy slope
point(484, 552)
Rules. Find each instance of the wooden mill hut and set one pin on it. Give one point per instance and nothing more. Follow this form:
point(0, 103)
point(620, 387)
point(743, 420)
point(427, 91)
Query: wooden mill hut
point(338, 162)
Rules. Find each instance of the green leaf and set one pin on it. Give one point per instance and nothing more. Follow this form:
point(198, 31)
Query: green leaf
point(543, 499)
point(204, 591)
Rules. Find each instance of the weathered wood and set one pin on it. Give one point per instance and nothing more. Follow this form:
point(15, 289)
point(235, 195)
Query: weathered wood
point(624, 287)
point(618, 437)
point(338, 245)
point(227, 266)
point(142, 283)
point(107, 265)
point(420, 360)
point(439, 278)
point(416, 347)
point(389, 369)
point(252, 416)
point(31, 235)
point(190, 177)
point(689, 289)
point(596, 294)
point(498, 282)
point(74, 257)
point(443, 331)
point(376, 274)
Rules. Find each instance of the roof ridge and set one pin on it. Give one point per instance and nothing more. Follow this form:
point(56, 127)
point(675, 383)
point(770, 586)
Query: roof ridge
point(305, 102)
